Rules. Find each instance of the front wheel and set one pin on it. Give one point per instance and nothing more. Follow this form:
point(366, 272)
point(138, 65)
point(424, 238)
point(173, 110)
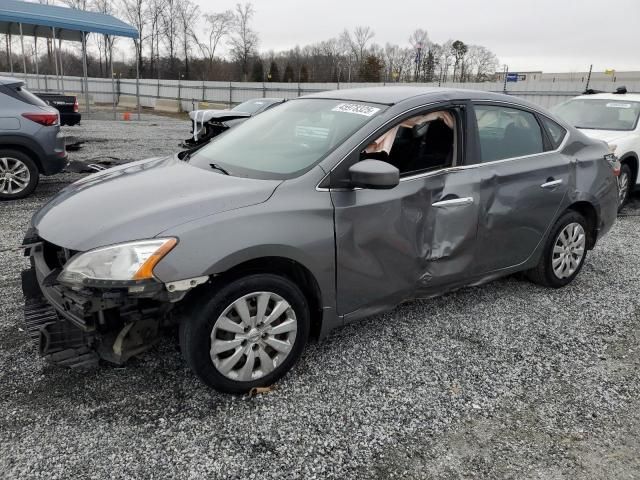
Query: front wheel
point(624, 185)
point(564, 252)
point(248, 334)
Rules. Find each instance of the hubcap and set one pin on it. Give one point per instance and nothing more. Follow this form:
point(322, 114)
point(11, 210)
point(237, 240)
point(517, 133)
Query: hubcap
point(14, 175)
point(568, 250)
point(623, 186)
point(253, 336)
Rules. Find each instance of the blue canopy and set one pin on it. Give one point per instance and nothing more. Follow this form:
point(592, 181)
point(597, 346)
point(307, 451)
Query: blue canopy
point(37, 20)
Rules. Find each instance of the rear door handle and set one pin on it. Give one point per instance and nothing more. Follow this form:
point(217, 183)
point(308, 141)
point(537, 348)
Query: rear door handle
point(551, 184)
point(454, 202)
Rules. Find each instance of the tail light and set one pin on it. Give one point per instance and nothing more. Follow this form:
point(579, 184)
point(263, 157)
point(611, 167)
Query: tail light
point(76, 108)
point(46, 119)
point(614, 163)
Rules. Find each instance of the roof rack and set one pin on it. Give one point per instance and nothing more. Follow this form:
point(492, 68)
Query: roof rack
point(621, 90)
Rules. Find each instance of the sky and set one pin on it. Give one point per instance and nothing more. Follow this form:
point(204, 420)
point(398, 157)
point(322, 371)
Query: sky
point(526, 35)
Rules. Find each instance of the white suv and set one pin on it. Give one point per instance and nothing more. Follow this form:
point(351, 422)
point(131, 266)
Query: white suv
point(612, 117)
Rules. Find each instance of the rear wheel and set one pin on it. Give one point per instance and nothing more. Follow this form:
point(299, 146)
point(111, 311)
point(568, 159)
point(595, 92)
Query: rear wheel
point(564, 252)
point(248, 334)
point(18, 175)
point(624, 185)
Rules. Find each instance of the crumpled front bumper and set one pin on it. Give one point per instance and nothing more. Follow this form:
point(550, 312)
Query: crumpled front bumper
point(77, 327)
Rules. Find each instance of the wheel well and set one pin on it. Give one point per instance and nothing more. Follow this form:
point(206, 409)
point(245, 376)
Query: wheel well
point(290, 269)
point(632, 161)
point(588, 211)
point(22, 149)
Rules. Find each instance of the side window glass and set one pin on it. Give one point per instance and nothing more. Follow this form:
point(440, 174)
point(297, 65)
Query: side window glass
point(555, 131)
point(418, 144)
point(507, 133)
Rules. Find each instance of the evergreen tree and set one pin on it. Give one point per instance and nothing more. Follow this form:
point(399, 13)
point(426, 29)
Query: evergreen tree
point(288, 74)
point(371, 69)
point(257, 75)
point(274, 74)
point(304, 74)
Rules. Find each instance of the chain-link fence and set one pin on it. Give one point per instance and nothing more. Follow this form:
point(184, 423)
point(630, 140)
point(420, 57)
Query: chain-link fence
point(188, 95)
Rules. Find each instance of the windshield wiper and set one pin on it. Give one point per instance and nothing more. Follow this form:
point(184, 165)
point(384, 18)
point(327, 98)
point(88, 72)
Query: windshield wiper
point(219, 168)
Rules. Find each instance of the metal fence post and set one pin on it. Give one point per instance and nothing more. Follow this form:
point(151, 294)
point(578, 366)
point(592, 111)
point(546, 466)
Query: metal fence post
point(299, 91)
point(230, 95)
point(203, 90)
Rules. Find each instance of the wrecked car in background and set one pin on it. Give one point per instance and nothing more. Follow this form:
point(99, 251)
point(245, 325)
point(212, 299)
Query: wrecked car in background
point(206, 124)
point(328, 209)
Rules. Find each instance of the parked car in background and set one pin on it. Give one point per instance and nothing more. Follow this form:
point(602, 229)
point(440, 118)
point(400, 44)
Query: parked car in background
point(206, 124)
point(30, 140)
point(67, 105)
point(612, 117)
point(330, 208)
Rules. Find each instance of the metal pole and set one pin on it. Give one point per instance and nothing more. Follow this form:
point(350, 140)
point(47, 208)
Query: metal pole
point(113, 86)
point(138, 46)
point(35, 52)
point(55, 55)
point(589, 77)
point(84, 70)
point(24, 57)
point(60, 57)
point(10, 45)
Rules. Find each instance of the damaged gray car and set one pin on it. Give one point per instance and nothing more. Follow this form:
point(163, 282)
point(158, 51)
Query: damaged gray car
point(325, 210)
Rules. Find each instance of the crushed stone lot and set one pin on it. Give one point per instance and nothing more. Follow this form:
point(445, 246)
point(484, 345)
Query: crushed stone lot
point(505, 380)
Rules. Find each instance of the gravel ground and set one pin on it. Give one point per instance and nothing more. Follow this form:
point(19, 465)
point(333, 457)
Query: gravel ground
point(506, 380)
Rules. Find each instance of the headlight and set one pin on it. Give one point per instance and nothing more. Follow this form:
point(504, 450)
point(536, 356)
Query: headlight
point(124, 262)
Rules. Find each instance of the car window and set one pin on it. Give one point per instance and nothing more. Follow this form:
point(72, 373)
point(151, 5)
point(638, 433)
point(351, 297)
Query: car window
point(507, 132)
point(287, 141)
point(599, 113)
point(252, 106)
point(20, 92)
point(418, 144)
point(555, 131)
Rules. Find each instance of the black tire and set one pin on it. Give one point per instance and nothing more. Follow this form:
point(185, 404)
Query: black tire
point(625, 170)
point(34, 174)
point(543, 274)
point(196, 331)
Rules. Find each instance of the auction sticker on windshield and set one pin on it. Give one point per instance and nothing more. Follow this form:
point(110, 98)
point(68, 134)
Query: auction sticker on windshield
point(618, 105)
point(356, 108)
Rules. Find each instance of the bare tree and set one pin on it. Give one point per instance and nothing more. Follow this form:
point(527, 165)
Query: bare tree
point(187, 15)
point(218, 25)
point(155, 11)
point(134, 11)
point(244, 41)
point(361, 37)
point(419, 41)
point(483, 63)
point(170, 29)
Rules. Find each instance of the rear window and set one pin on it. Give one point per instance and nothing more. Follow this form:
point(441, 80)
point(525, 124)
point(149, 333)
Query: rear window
point(555, 131)
point(21, 93)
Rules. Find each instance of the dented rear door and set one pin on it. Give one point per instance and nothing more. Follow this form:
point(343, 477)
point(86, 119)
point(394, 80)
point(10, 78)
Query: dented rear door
point(396, 244)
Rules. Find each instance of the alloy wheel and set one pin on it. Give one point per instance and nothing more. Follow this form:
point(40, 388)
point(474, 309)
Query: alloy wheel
point(14, 175)
point(623, 187)
point(568, 250)
point(253, 336)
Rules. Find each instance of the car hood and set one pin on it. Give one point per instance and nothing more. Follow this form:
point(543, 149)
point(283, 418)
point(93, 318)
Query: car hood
point(609, 136)
point(140, 200)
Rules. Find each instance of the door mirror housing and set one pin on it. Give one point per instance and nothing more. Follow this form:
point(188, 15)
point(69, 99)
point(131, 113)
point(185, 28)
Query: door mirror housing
point(374, 174)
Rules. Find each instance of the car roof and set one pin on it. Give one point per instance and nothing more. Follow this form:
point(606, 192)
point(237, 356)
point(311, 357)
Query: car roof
point(634, 97)
point(10, 81)
point(391, 95)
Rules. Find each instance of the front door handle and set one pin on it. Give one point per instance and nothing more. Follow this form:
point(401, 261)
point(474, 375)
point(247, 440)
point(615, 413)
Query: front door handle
point(454, 202)
point(551, 183)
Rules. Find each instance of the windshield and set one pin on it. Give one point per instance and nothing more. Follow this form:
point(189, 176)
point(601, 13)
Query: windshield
point(600, 114)
point(285, 142)
point(252, 106)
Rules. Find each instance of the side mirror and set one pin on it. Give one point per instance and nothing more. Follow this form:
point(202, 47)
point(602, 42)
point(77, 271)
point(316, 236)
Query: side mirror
point(374, 174)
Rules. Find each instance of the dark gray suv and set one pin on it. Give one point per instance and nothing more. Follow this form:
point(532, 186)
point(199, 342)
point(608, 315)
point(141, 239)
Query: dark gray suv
point(30, 140)
point(325, 210)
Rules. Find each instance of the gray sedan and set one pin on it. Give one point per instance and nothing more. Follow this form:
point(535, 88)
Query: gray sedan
point(320, 212)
